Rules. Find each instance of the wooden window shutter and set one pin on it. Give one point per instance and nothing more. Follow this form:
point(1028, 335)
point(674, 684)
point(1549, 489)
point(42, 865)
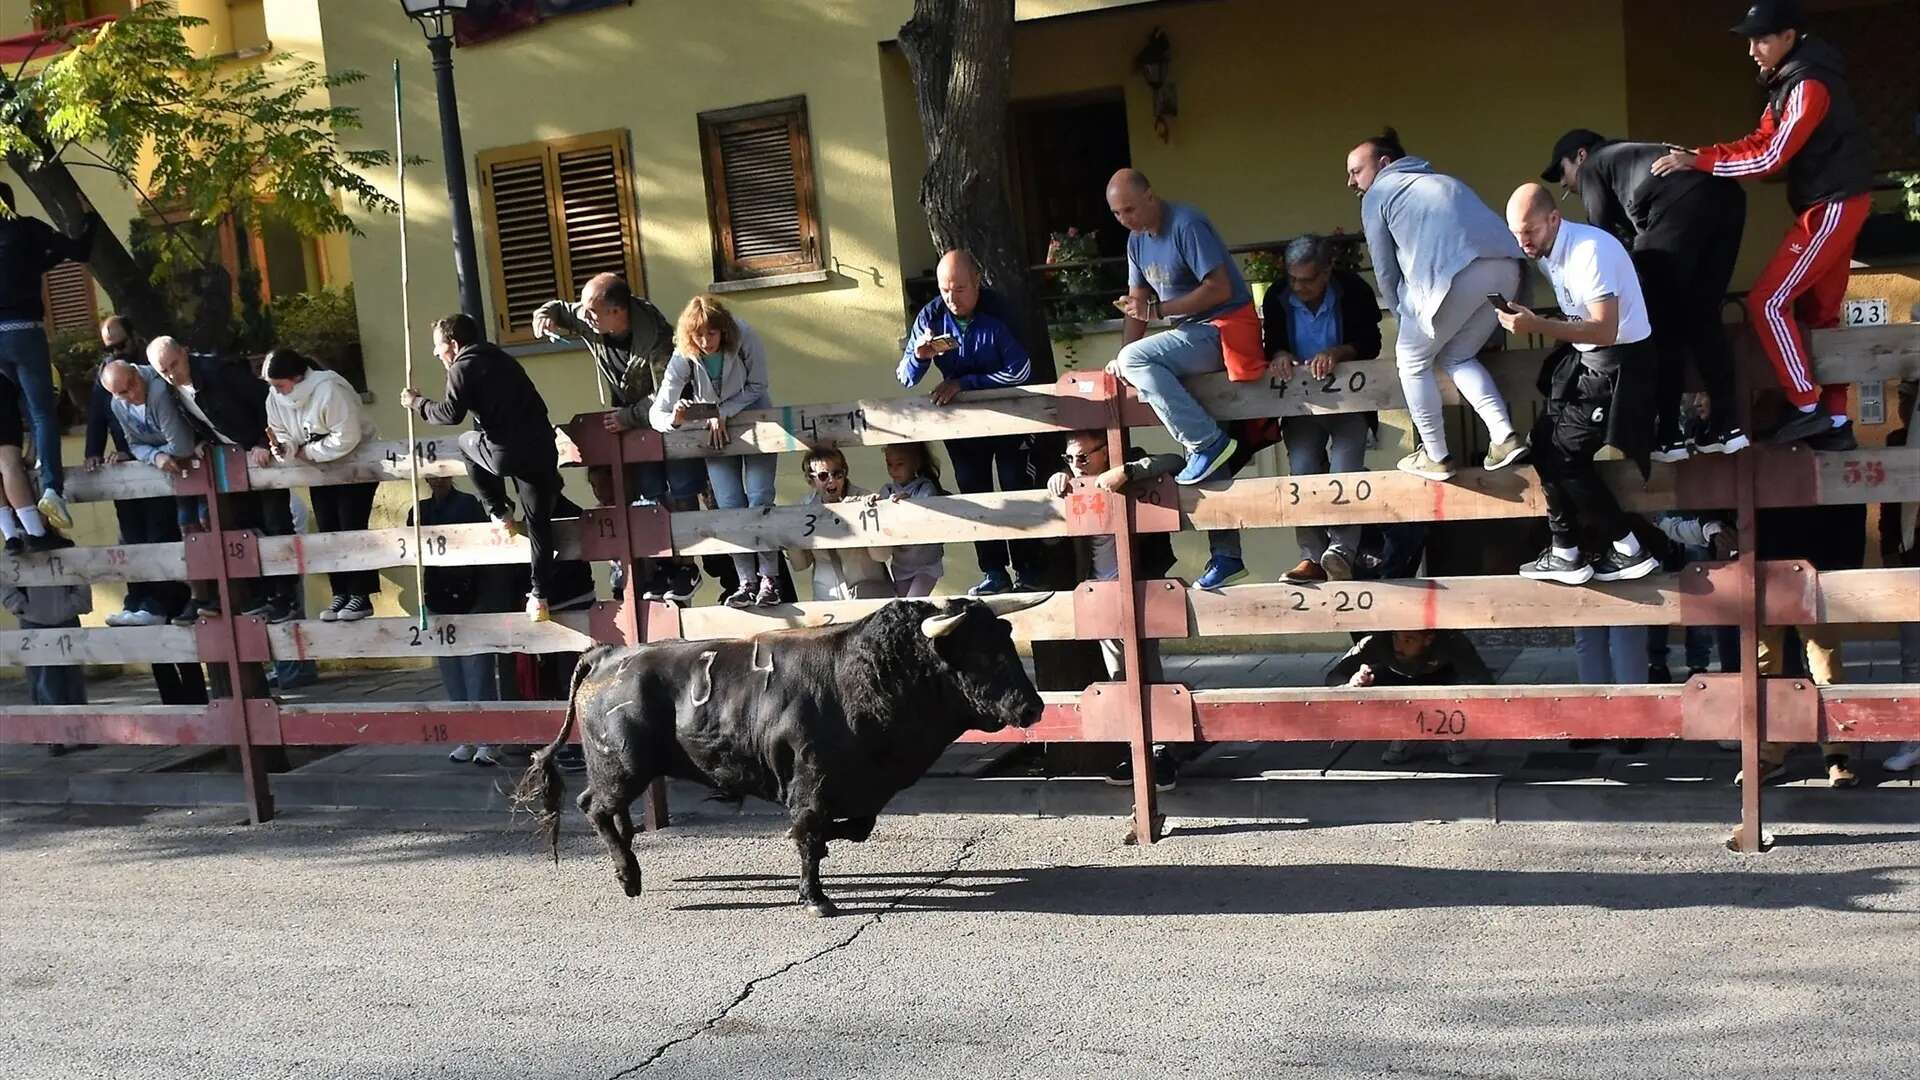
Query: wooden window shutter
point(67, 291)
point(760, 190)
point(557, 213)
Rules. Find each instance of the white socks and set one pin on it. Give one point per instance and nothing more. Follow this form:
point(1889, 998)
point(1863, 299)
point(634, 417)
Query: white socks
point(1628, 545)
point(1571, 554)
point(9, 525)
point(31, 520)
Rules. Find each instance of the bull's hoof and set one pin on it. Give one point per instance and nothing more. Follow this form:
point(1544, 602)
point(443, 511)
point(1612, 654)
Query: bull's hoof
point(630, 885)
point(821, 909)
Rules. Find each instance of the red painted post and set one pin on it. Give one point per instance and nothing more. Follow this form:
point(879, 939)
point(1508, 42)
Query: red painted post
point(247, 682)
point(1750, 600)
point(633, 618)
point(1139, 693)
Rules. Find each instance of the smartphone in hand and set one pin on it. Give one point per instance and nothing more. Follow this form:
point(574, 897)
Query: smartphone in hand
point(701, 410)
point(943, 343)
point(1501, 303)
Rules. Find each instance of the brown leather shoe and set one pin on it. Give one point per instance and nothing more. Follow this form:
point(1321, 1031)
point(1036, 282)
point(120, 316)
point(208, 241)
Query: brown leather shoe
point(1306, 572)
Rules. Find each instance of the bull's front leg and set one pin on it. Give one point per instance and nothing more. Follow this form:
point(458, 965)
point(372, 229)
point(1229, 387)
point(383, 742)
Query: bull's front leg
point(807, 833)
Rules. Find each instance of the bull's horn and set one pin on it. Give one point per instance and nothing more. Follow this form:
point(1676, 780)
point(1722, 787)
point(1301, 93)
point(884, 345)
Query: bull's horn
point(940, 625)
point(1004, 606)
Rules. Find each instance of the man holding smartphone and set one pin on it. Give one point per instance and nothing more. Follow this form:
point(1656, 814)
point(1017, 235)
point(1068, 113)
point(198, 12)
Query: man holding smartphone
point(962, 332)
point(1597, 386)
point(1684, 230)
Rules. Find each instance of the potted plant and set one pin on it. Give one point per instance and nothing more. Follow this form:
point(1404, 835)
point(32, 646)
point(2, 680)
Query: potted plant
point(1261, 270)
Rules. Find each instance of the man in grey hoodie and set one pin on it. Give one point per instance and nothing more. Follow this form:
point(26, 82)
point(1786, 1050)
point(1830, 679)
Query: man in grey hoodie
point(1438, 251)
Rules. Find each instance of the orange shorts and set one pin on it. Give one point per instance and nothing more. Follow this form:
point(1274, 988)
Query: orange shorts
point(1240, 344)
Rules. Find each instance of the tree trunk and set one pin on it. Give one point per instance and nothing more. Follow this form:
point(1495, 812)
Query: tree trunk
point(961, 56)
point(132, 293)
point(963, 117)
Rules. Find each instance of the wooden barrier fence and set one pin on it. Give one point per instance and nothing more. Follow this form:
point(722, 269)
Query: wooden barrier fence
point(1742, 593)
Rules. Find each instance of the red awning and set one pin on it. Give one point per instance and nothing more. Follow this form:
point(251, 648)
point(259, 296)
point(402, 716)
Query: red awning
point(42, 44)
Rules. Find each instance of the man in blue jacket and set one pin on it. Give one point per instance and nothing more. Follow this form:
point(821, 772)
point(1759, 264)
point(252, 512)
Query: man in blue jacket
point(964, 334)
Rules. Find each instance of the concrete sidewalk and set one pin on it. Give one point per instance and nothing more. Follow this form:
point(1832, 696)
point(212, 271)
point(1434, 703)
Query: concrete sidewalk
point(1345, 781)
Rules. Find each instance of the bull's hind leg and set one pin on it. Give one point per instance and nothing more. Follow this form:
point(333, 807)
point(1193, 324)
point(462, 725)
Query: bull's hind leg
point(854, 829)
point(608, 813)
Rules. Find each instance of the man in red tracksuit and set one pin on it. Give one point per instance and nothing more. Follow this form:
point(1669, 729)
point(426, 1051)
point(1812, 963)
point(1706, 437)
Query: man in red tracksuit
point(1809, 129)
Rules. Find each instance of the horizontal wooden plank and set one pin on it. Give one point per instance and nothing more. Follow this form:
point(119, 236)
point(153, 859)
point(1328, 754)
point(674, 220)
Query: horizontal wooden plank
point(1459, 603)
point(950, 519)
point(97, 645)
point(1050, 620)
point(1870, 713)
point(88, 566)
point(140, 725)
point(494, 722)
point(460, 635)
point(1453, 713)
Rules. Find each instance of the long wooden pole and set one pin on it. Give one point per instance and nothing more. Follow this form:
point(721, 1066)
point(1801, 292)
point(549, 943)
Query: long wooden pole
point(406, 338)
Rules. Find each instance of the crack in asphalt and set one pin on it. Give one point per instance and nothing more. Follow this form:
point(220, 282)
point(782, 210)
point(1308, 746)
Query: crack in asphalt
point(746, 991)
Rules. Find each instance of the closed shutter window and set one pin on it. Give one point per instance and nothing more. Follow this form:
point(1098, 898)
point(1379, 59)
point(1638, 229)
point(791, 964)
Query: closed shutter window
point(67, 291)
point(760, 190)
point(557, 213)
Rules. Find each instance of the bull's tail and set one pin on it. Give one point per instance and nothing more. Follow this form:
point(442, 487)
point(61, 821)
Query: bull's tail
point(541, 786)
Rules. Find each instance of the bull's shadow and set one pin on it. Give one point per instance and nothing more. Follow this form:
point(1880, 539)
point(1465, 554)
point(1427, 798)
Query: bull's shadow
point(1176, 890)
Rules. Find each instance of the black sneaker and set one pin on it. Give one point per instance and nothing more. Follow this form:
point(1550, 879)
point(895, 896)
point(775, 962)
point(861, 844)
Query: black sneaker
point(1800, 425)
point(15, 545)
point(1610, 565)
point(52, 541)
point(681, 582)
point(332, 611)
point(1551, 567)
point(768, 594)
point(1725, 441)
point(187, 617)
point(657, 585)
point(1669, 452)
point(1166, 774)
point(355, 609)
point(261, 610)
point(741, 597)
point(1840, 438)
point(282, 610)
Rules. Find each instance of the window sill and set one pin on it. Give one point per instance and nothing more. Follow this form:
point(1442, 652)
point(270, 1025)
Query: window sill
point(772, 281)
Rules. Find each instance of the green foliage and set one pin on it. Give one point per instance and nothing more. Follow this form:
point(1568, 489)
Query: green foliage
point(1910, 187)
point(220, 135)
point(74, 354)
point(323, 324)
point(1262, 265)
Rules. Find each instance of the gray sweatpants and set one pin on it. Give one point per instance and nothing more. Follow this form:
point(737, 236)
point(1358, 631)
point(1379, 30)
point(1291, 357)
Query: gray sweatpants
point(1461, 328)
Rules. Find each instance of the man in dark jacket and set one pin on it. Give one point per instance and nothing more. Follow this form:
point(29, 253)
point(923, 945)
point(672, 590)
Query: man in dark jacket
point(1683, 231)
point(963, 333)
point(1322, 318)
point(512, 438)
point(29, 248)
point(1412, 658)
point(227, 406)
point(1809, 129)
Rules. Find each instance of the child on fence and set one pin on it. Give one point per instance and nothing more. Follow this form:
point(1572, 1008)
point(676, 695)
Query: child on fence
point(20, 520)
point(1088, 457)
point(52, 607)
point(912, 473)
point(839, 573)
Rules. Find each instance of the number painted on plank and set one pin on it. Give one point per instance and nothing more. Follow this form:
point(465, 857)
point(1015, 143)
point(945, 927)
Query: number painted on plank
point(1440, 722)
point(433, 733)
point(1870, 473)
point(812, 521)
point(870, 519)
point(1359, 601)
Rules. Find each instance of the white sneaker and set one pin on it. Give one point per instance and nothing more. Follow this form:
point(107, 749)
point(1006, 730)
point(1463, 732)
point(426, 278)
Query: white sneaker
point(1907, 757)
point(462, 753)
point(486, 755)
point(331, 613)
point(136, 618)
point(355, 609)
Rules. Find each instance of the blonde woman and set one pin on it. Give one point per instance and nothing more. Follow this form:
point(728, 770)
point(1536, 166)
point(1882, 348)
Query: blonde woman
point(719, 370)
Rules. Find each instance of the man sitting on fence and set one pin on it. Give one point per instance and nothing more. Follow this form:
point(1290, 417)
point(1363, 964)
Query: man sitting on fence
point(963, 332)
point(1322, 318)
point(630, 341)
point(1178, 268)
point(1413, 658)
point(1088, 457)
point(511, 439)
point(1598, 387)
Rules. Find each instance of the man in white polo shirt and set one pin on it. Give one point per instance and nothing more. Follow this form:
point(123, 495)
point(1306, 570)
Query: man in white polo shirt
point(1597, 384)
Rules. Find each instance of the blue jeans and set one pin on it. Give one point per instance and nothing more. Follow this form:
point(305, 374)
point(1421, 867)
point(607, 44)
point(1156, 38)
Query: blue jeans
point(64, 685)
point(742, 481)
point(468, 678)
point(24, 359)
point(1154, 366)
point(1611, 654)
point(1324, 443)
point(683, 480)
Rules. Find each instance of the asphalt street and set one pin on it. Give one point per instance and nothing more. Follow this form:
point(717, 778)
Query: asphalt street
point(177, 944)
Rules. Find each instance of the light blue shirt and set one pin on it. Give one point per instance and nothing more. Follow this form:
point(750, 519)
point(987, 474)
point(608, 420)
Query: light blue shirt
point(1313, 332)
point(1422, 228)
point(1173, 261)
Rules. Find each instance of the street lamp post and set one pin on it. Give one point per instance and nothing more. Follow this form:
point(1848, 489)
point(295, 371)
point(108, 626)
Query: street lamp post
point(436, 22)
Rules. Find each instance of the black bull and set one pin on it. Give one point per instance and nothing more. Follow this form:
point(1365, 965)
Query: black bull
point(830, 722)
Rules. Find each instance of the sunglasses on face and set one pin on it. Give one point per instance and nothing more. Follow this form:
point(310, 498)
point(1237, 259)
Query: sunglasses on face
point(834, 474)
point(1082, 459)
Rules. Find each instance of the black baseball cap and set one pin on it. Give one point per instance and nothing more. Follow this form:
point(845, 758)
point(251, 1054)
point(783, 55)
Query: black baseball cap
point(1770, 17)
point(1570, 144)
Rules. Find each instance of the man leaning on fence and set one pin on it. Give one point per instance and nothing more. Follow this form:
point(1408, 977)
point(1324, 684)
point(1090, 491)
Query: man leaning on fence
point(963, 332)
point(1322, 318)
point(1598, 387)
point(1179, 269)
point(630, 341)
point(149, 520)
